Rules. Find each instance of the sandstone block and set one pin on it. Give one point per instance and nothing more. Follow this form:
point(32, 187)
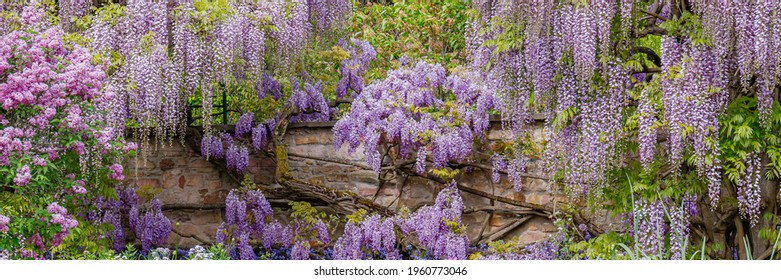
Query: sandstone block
point(166, 164)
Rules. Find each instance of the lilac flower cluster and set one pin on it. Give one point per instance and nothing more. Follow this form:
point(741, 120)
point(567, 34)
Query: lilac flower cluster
point(116, 172)
point(59, 216)
point(4, 220)
point(26, 86)
point(22, 175)
point(37, 242)
point(52, 108)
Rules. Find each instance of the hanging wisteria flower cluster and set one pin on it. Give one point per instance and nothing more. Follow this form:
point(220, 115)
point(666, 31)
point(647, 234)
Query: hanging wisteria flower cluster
point(142, 216)
point(649, 219)
point(565, 68)
point(656, 222)
point(248, 216)
point(748, 189)
point(690, 104)
point(328, 14)
point(373, 237)
point(353, 68)
point(432, 232)
point(407, 108)
point(152, 228)
point(438, 228)
point(550, 249)
point(234, 148)
point(747, 44)
point(211, 44)
point(309, 100)
point(437, 231)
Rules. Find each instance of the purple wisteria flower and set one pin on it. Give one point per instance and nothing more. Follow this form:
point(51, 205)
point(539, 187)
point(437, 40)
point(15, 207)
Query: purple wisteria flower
point(244, 125)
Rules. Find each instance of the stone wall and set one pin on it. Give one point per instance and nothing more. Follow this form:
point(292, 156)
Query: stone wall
point(193, 189)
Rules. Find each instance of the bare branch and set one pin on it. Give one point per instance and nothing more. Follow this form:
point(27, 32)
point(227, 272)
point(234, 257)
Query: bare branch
point(331, 160)
point(649, 70)
point(654, 30)
point(502, 232)
point(653, 14)
point(648, 52)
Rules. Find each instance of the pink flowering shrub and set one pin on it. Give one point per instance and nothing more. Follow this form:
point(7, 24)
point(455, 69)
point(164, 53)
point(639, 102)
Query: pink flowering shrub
point(55, 149)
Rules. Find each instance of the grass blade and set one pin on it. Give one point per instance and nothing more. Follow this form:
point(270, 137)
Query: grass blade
point(627, 249)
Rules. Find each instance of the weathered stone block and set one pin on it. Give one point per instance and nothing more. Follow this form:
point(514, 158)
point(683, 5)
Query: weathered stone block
point(194, 181)
point(365, 190)
point(215, 197)
point(166, 164)
point(171, 180)
point(535, 185)
point(199, 162)
point(532, 237)
point(214, 184)
point(154, 183)
point(539, 198)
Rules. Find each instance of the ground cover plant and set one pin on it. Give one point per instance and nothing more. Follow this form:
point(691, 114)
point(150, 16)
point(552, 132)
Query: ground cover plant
point(664, 113)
